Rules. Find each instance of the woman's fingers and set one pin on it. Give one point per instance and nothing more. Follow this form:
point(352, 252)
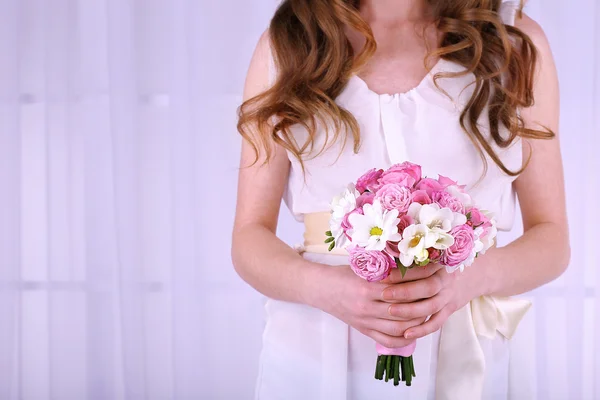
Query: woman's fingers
point(387, 340)
point(402, 311)
point(412, 274)
point(417, 309)
point(433, 324)
point(393, 328)
point(413, 291)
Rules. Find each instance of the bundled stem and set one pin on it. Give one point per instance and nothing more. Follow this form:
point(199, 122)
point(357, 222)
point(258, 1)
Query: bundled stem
point(395, 368)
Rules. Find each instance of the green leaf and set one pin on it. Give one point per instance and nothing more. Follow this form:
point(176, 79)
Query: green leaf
point(328, 233)
point(329, 240)
point(403, 271)
point(331, 246)
point(401, 267)
point(469, 216)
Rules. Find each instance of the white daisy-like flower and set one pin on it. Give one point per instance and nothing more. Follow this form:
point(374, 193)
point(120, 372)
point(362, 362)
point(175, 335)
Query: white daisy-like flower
point(413, 247)
point(375, 227)
point(340, 206)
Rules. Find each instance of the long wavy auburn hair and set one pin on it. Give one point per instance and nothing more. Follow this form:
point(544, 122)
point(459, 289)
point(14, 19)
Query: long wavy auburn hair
point(315, 59)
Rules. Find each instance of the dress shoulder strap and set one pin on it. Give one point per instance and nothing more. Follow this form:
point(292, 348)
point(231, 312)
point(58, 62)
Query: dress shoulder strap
point(509, 10)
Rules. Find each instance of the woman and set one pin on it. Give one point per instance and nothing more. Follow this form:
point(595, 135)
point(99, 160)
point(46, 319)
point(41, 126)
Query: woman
point(337, 87)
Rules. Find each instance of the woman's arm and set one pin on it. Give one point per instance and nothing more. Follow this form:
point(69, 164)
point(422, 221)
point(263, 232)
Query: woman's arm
point(259, 257)
point(540, 255)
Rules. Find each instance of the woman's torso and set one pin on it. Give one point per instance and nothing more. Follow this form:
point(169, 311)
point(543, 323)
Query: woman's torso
point(421, 125)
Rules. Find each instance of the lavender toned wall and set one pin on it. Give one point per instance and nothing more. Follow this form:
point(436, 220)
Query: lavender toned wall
point(118, 180)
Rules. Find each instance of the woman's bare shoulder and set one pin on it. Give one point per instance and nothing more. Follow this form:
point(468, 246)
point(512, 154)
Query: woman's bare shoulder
point(534, 30)
point(257, 78)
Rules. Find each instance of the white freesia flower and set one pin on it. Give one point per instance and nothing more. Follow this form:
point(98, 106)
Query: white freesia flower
point(413, 247)
point(459, 219)
point(340, 206)
point(428, 214)
point(439, 221)
point(436, 217)
point(413, 211)
point(375, 228)
point(464, 197)
point(443, 240)
point(487, 239)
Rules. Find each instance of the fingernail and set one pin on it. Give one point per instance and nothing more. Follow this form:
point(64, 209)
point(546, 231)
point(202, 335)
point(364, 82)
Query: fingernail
point(408, 335)
point(387, 295)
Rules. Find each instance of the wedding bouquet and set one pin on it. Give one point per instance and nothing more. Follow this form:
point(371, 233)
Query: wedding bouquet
point(399, 219)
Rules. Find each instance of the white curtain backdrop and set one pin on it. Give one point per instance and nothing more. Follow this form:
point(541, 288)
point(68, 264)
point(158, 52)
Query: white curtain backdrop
point(118, 166)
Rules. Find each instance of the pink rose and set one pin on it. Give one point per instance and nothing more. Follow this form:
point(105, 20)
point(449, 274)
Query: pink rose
point(413, 170)
point(365, 198)
point(421, 197)
point(369, 181)
point(394, 197)
point(445, 182)
point(445, 199)
point(429, 185)
point(371, 265)
point(460, 251)
point(434, 255)
point(406, 174)
point(405, 222)
point(392, 249)
point(478, 219)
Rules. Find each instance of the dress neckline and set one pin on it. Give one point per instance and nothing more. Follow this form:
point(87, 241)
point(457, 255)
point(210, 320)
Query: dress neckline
point(426, 79)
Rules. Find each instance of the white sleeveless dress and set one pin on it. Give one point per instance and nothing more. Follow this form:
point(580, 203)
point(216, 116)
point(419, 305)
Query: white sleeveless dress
point(310, 355)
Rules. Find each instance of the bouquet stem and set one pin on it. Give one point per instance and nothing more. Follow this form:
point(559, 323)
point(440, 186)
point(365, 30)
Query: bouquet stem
point(395, 368)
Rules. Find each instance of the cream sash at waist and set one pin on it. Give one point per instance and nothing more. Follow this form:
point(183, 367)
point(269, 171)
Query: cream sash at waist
point(461, 363)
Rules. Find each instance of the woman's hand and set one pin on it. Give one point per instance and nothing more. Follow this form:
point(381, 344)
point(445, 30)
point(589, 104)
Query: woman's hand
point(360, 304)
point(438, 295)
